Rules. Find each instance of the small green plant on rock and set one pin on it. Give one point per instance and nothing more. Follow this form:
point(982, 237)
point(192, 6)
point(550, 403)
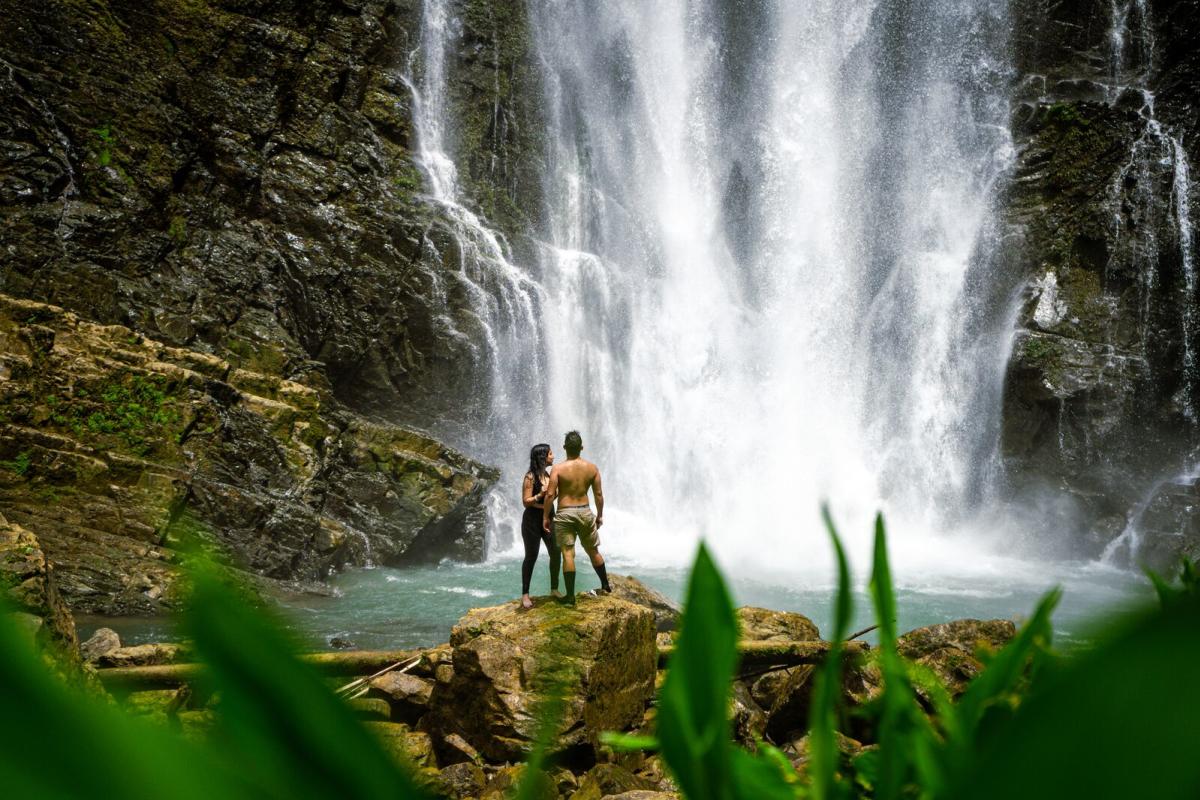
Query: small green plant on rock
point(1038, 350)
point(18, 465)
point(104, 148)
point(177, 229)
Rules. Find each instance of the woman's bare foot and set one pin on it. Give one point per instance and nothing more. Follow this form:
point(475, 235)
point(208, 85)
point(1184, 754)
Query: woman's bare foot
point(526, 602)
point(555, 593)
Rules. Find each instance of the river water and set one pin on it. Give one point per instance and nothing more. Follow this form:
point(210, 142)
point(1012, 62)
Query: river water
point(384, 608)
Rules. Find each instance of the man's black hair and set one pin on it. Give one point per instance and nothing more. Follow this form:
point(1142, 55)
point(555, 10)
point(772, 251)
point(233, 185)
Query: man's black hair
point(573, 443)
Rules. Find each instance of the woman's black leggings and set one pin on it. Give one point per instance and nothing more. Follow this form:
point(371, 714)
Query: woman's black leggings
point(533, 535)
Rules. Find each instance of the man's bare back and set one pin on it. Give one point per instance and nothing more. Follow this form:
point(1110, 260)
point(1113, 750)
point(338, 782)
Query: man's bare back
point(571, 481)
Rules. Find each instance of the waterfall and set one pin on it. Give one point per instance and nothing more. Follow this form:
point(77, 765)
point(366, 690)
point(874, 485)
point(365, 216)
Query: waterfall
point(505, 300)
point(768, 229)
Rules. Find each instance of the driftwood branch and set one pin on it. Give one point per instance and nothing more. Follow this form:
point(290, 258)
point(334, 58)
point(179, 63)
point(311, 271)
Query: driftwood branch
point(351, 663)
point(165, 676)
point(863, 632)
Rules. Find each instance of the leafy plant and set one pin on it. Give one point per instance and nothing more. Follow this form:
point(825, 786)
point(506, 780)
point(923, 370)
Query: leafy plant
point(134, 409)
point(18, 465)
point(105, 138)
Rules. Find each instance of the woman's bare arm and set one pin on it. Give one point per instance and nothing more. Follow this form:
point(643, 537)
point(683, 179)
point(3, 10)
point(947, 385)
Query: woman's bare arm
point(528, 498)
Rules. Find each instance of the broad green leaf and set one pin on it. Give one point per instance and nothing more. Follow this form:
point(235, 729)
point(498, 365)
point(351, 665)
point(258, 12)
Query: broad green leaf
point(57, 742)
point(693, 725)
point(1002, 674)
point(761, 777)
point(828, 683)
point(1120, 721)
point(903, 731)
point(627, 742)
point(292, 735)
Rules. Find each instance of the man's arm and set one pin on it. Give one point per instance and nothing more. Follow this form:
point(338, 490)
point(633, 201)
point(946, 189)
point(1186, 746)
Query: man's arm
point(551, 493)
point(598, 493)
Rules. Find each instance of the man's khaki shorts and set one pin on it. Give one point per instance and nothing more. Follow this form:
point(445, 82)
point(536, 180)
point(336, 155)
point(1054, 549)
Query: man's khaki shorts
point(572, 522)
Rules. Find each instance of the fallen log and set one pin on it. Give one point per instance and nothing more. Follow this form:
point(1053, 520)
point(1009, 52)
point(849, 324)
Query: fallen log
point(165, 676)
point(366, 662)
point(783, 654)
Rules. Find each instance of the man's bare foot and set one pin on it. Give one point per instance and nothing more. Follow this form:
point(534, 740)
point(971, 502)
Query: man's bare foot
point(526, 602)
point(555, 593)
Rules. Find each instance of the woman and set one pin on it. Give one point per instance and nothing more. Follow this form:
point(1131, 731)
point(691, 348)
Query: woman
point(533, 497)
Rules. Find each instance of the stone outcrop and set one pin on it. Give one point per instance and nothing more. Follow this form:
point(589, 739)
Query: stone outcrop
point(950, 650)
point(104, 640)
point(1100, 402)
point(115, 448)
point(630, 589)
point(600, 655)
point(28, 581)
point(765, 625)
point(238, 178)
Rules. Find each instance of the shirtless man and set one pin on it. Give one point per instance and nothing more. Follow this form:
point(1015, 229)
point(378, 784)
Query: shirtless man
point(569, 482)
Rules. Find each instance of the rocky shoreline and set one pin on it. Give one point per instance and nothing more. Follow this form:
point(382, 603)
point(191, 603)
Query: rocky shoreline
point(466, 712)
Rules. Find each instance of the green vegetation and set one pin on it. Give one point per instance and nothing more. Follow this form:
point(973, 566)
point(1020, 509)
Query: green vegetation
point(106, 142)
point(18, 465)
point(134, 410)
point(177, 229)
point(1066, 114)
point(1038, 350)
point(1116, 720)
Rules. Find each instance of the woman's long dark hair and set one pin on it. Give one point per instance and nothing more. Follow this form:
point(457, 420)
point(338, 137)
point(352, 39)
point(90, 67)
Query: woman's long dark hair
point(537, 464)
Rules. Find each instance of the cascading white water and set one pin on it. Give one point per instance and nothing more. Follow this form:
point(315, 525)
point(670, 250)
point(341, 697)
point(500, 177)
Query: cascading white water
point(764, 227)
point(504, 297)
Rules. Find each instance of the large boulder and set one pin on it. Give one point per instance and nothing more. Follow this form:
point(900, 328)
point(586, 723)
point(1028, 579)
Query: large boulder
point(599, 655)
point(407, 695)
point(950, 649)
point(666, 612)
point(783, 694)
point(104, 640)
point(766, 625)
point(145, 655)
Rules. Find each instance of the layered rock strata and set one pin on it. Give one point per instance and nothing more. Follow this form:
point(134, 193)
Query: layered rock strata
point(115, 448)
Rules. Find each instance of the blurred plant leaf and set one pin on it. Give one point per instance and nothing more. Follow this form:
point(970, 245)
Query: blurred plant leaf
point(292, 735)
point(822, 736)
point(1119, 721)
point(994, 687)
point(693, 725)
point(761, 778)
point(56, 741)
point(628, 742)
point(905, 738)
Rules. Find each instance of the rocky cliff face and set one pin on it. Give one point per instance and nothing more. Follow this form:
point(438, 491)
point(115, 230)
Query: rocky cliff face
point(1101, 394)
point(116, 448)
point(217, 209)
point(237, 177)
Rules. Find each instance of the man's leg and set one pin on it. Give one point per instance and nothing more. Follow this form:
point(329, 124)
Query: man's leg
point(598, 565)
point(568, 557)
point(565, 538)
